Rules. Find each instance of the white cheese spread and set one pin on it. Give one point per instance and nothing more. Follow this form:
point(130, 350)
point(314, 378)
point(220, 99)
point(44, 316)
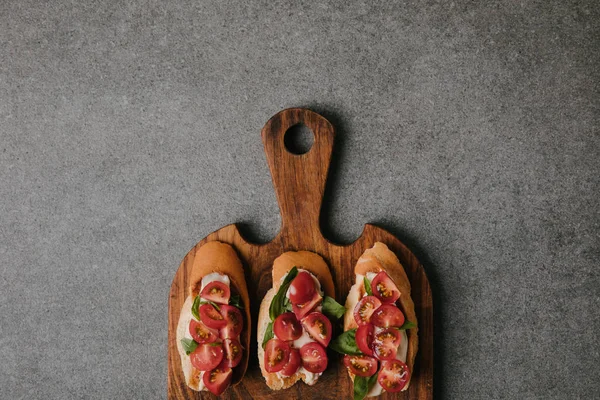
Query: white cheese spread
point(215, 276)
point(302, 340)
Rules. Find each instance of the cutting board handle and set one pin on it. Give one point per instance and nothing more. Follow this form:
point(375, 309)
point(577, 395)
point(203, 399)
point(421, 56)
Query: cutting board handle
point(299, 179)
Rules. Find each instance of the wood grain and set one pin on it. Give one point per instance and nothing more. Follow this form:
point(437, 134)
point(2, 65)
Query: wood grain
point(299, 182)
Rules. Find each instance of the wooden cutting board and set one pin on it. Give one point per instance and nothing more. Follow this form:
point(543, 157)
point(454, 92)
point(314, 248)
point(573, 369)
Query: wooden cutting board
point(299, 182)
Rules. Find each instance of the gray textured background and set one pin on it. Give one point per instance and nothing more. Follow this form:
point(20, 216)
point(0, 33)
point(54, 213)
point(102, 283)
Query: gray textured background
point(130, 130)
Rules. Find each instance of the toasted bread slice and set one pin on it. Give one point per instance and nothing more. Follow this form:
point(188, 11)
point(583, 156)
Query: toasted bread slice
point(376, 259)
point(281, 266)
point(208, 258)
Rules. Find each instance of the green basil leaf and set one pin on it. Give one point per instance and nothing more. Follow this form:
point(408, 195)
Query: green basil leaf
point(367, 286)
point(268, 334)
point(408, 325)
point(372, 380)
point(290, 276)
point(287, 305)
point(236, 301)
point(362, 385)
point(332, 308)
point(346, 343)
point(215, 344)
point(195, 306)
point(189, 345)
point(278, 304)
point(212, 303)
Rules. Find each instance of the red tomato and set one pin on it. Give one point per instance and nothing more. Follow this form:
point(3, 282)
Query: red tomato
point(384, 288)
point(216, 291)
point(385, 343)
point(286, 327)
point(234, 322)
point(364, 338)
point(364, 308)
point(318, 327)
point(302, 288)
point(293, 363)
point(302, 309)
point(277, 354)
point(233, 353)
point(217, 380)
point(201, 333)
point(361, 365)
point(207, 356)
point(211, 317)
point(387, 316)
point(393, 375)
point(314, 358)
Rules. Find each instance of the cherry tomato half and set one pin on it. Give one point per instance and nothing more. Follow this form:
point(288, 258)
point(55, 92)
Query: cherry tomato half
point(364, 308)
point(217, 380)
point(302, 309)
point(384, 288)
point(385, 343)
point(393, 375)
point(286, 327)
point(207, 356)
point(201, 333)
point(318, 327)
point(234, 322)
point(293, 363)
point(361, 365)
point(302, 288)
point(277, 354)
point(387, 316)
point(233, 353)
point(216, 291)
point(211, 317)
point(364, 338)
point(314, 357)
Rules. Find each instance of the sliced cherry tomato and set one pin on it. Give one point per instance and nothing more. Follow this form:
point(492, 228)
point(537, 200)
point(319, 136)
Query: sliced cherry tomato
point(286, 327)
point(364, 308)
point(364, 338)
point(318, 327)
point(207, 356)
point(361, 365)
point(393, 375)
point(314, 357)
point(302, 288)
point(302, 309)
point(233, 353)
point(384, 288)
point(211, 317)
point(216, 291)
point(217, 380)
point(387, 316)
point(234, 322)
point(201, 333)
point(385, 343)
point(293, 363)
point(277, 354)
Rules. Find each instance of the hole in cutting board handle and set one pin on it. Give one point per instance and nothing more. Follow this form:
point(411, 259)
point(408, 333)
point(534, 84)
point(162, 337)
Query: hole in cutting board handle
point(299, 139)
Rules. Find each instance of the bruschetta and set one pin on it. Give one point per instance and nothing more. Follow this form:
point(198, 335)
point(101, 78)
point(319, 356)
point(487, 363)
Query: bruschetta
point(380, 339)
point(213, 331)
point(294, 324)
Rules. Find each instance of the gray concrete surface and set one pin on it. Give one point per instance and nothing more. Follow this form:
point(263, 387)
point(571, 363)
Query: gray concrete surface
point(130, 129)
